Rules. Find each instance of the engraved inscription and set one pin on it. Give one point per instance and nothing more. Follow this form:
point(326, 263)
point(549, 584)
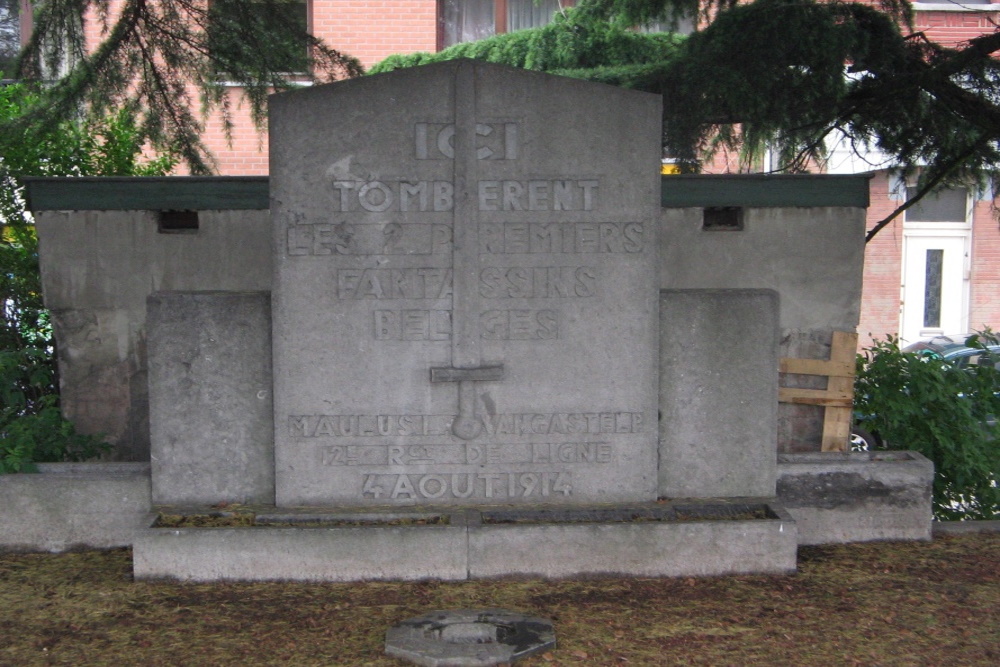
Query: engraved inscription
point(568, 423)
point(563, 423)
point(494, 141)
point(434, 325)
point(498, 485)
point(354, 426)
point(539, 282)
point(421, 283)
point(582, 453)
point(412, 324)
point(511, 238)
point(520, 324)
point(541, 452)
point(439, 196)
point(387, 238)
point(538, 195)
point(321, 239)
point(382, 196)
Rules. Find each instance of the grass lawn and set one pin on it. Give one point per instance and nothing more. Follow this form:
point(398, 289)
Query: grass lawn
point(932, 603)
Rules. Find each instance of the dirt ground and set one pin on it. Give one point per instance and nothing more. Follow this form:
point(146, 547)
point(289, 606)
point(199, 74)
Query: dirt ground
point(867, 604)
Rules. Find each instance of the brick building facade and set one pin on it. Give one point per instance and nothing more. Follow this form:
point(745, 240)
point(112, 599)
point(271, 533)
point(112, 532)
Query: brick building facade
point(938, 270)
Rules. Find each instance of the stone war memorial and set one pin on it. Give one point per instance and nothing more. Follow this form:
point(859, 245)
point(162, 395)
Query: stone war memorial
point(464, 307)
point(464, 329)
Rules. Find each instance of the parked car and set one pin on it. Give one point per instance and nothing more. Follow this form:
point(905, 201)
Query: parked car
point(960, 350)
point(955, 349)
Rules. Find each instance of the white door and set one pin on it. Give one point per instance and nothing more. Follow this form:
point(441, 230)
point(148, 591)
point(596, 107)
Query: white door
point(935, 283)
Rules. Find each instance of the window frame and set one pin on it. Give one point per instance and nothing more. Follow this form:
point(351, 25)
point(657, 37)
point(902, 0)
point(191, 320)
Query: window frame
point(963, 223)
point(500, 8)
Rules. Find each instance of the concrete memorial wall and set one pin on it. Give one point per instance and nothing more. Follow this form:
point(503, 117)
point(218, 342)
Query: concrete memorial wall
point(464, 297)
point(473, 295)
point(98, 267)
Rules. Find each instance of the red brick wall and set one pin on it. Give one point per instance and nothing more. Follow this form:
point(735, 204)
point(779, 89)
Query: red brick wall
point(94, 29)
point(952, 28)
point(883, 268)
point(370, 31)
point(367, 30)
point(984, 300)
point(245, 152)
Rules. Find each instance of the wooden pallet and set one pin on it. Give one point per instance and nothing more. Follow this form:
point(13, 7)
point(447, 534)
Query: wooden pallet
point(837, 398)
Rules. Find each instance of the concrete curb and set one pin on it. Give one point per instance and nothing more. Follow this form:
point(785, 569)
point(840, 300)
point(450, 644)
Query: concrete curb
point(940, 528)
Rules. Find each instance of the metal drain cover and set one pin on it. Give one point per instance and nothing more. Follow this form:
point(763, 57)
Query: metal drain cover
point(469, 638)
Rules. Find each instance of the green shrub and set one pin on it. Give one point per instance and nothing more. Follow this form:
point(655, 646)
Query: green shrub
point(945, 412)
point(41, 437)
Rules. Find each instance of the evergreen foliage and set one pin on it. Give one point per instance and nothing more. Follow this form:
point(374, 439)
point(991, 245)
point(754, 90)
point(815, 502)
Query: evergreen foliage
point(168, 60)
point(574, 41)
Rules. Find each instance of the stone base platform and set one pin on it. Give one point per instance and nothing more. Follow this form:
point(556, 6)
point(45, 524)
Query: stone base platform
point(72, 506)
point(694, 538)
point(837, 498)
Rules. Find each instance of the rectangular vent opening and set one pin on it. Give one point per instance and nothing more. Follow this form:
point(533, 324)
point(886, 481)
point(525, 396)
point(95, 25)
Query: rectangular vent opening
point(723, 218)
point(177, 222)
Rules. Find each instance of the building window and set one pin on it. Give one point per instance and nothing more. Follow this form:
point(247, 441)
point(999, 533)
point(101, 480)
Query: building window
point(945, 205)
point(470, 20)
point(15, 31)
point(951, 5)
point(273, 29)
point(933, 270)
point(684, 26)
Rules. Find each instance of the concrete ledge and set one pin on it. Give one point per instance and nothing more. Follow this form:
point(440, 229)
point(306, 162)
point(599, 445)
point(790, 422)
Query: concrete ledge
point(464, 547)
point(857, 496)
point(646, 549)
point(301, 554)
point(940, 528)
point(74, 505)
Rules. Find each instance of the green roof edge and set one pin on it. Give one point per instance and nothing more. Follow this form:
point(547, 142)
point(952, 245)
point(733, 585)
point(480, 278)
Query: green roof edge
point(764, 190)
point(142, 193)
point(204, 193)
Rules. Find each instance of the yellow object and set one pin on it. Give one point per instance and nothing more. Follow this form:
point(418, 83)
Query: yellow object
point(669, 168)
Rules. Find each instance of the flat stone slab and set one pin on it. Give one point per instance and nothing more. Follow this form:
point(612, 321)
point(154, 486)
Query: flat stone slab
point(469, 637)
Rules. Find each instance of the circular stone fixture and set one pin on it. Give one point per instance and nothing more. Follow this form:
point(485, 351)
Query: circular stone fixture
point(469, 638)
